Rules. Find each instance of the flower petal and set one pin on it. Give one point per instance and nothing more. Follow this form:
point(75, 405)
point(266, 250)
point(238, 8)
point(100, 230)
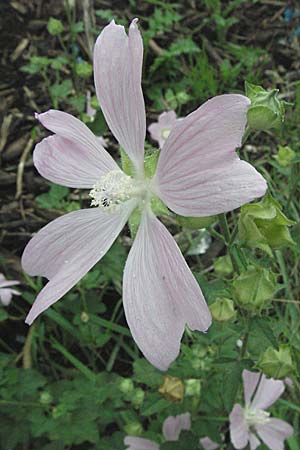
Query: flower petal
point(267, 393)
point(73, 157)
point(250, 382)
point(274, 433)
point(198, 172)
point(253, 441)
point(67, 248)
point(6, 296)
point(160, 294)
point(118, 60)
point(239, 434)
point(166, 121)
point(208, 444)
point(173, 426)
point(136, 443)
point(8, 283)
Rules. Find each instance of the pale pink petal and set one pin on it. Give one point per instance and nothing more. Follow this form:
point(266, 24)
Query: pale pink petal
point(208, 444)
point(198, 172)
point(136, 443)
point(160, 294)
point(239, 434)
point(118, 62)
point(253, 441)
point(73, 157)
point(173, 426)
point(250, 382)
point(267, 393)
point(157, 130)
point(274, 433)
point(67, 248)
point(6, 296)
point(90, 111)
point(8, 283)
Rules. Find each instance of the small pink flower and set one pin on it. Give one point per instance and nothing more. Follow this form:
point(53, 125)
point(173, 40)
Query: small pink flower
point(198, 174)
point(160, 130)
point(172, 428)
point(6, 292)
point(208, 444)
point(253, 422)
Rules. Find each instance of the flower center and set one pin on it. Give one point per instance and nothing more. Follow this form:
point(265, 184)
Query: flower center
point(165, 133)
point(256, 416)
point(115, 188)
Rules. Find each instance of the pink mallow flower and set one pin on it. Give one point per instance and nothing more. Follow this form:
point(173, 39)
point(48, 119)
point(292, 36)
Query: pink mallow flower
point(253, 422)
point(198, 174)
point(6, 292)
point(160, 130)
point(172, 428)
point(208, 444)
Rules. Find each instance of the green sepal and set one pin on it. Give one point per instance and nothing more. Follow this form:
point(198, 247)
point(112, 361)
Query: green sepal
point(276, 363)
point(263, 225)
point(195, 223)
point(126, 163)
point(134, 221)
point(254, 288)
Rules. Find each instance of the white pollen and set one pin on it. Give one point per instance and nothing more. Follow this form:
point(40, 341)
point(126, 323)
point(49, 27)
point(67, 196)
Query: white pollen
point(112, 190)
point(256, 416)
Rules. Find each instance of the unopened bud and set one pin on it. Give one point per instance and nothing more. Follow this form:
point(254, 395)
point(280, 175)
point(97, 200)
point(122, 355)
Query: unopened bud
point(55, 26)
point(45, 398)
point(276, 363)
point(254, 288)
point(84, 317)
point(266, 110)
point(172, 388)
point(285, 156)
point(192, 387)
point(137, 398)
point(263, 225)
point(223, 309)
point(126, 386)
point(223, 265)
point(133, 429)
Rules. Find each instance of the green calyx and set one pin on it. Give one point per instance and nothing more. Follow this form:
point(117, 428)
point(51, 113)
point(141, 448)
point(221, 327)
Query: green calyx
point(263, 225)
point(285, 156)
point(195, 223)
point(277, 364)
point(254, 288)
point(266, 110)
point(223, 310)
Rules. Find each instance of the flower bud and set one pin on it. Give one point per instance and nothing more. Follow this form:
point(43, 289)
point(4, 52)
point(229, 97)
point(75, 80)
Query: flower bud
point(126, 386)
point(222, 310)
point(223, 266)
point(172, 389)
point(266, 110)
point(192, 387)
point(254, 288)
point(285, 156)
point(195, 223)
point(84, 317)
point(137, 398)
point(276, 363)
point(55, 26)
point(263, 225)
point(133, 429)
point(45, 398)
